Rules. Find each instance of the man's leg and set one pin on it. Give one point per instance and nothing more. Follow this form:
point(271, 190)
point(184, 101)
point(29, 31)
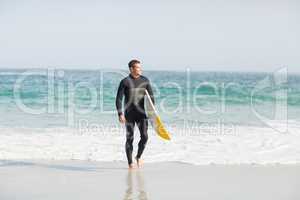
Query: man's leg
point(143, 128)
point(129, 140)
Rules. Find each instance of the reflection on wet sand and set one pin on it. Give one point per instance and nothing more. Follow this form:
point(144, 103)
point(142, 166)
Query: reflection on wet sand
point(138, 187)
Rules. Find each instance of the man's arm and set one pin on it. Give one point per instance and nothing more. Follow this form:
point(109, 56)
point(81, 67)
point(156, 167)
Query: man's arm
point(150, 91)
point(119, 98)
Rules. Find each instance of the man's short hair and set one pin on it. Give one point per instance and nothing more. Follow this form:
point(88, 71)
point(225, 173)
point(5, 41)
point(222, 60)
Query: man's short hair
point(133, 62)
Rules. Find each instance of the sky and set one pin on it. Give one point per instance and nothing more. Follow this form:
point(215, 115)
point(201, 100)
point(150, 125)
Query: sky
point(232, 35)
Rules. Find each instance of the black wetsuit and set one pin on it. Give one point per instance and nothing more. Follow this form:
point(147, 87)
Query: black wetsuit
point(134, 91)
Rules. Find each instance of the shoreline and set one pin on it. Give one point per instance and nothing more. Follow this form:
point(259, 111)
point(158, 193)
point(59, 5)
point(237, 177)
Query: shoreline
point(66, 179)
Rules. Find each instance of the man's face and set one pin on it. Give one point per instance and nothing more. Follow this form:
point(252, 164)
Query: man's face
point(136, 69)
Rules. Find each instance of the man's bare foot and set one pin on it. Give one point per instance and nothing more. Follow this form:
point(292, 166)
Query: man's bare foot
point(131, 166)
point(138, 162)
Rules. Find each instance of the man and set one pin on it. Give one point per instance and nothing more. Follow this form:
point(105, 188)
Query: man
point(133, 88)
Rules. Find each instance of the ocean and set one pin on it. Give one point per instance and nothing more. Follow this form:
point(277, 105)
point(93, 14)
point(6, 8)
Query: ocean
point(213, 117)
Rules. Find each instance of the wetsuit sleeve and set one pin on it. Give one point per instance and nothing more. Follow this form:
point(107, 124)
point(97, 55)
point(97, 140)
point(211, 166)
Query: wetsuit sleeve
point(150, 91)
point(119, 98)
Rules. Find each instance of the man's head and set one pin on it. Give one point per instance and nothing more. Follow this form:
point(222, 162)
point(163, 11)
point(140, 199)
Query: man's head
point(135, 68)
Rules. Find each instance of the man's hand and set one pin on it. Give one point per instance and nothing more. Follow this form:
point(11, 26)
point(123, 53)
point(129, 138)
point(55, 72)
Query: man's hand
point(122, 119)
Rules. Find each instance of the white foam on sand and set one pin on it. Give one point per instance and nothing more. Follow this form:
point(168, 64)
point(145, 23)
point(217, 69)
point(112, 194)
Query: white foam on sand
point(241, 145)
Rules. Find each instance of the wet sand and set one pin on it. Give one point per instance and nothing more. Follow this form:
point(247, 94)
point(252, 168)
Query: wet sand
point(61, 180)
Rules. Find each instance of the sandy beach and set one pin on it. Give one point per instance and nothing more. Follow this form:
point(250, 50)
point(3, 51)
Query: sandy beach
point(41, 179)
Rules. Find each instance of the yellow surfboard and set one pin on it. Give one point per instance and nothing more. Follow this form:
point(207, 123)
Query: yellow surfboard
point(155, 119)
